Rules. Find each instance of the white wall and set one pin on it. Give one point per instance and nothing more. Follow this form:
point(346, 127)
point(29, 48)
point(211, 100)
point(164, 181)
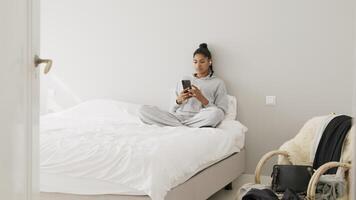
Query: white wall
point(298, 50)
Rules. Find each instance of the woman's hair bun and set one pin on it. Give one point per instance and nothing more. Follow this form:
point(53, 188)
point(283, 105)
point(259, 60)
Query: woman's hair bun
point(203, 45)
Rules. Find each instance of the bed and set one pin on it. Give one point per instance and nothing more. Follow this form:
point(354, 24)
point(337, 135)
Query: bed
point(100, 149)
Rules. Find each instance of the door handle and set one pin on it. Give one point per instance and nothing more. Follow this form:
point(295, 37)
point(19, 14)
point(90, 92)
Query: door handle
point(48, 63)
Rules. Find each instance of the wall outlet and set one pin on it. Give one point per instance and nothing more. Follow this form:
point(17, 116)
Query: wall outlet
point(270, 100)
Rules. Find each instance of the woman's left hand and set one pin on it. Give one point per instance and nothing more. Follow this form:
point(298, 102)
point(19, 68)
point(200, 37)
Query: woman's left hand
point(195, 92)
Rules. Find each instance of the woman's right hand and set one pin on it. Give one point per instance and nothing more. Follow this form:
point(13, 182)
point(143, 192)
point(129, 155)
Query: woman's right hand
point(184, 95)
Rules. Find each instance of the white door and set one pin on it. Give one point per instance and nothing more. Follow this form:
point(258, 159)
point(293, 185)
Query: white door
point(19, 91)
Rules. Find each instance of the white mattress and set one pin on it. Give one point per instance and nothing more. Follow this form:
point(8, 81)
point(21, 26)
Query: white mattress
point(101, 147)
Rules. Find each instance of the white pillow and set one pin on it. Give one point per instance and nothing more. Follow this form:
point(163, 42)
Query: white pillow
point(231, 108)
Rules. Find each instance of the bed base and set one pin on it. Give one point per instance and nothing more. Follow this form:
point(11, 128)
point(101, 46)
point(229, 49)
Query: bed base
point(199, 187)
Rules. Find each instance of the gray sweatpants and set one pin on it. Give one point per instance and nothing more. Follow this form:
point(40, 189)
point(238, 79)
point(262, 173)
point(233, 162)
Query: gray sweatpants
point(207, 117)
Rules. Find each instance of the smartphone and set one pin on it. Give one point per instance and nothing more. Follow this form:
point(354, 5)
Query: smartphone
point(186, 84)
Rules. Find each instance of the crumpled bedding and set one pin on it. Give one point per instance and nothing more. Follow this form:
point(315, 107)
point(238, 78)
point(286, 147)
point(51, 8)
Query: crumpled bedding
point(104, 141)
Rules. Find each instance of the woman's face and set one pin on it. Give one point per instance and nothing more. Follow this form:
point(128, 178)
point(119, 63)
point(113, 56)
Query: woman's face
point(201, 64)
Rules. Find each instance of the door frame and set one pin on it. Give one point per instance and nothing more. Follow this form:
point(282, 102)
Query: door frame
point(33, 35)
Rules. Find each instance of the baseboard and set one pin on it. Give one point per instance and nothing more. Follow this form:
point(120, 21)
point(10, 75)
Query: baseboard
point(236, 184)
point(250, 178)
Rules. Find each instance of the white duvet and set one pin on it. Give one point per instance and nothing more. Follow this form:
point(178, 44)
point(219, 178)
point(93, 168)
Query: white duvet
point(101, 147)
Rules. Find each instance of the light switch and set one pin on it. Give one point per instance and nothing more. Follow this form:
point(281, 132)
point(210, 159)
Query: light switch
point(271, 100)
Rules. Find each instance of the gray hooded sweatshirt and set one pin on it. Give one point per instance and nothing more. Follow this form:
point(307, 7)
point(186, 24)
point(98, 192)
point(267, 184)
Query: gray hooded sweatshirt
point(212, 88)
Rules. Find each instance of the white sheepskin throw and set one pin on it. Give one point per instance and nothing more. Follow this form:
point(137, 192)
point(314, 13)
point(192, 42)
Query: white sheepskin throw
point(300, 146)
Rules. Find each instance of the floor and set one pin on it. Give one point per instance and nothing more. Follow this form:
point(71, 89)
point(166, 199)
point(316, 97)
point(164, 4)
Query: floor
point(231, 194)
point(227, 194)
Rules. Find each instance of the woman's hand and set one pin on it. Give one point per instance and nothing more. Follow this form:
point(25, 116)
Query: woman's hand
point(195, 92)
point(183, 96)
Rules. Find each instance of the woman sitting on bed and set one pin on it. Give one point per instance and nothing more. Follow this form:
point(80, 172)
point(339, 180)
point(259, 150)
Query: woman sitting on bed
point(204, 105)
